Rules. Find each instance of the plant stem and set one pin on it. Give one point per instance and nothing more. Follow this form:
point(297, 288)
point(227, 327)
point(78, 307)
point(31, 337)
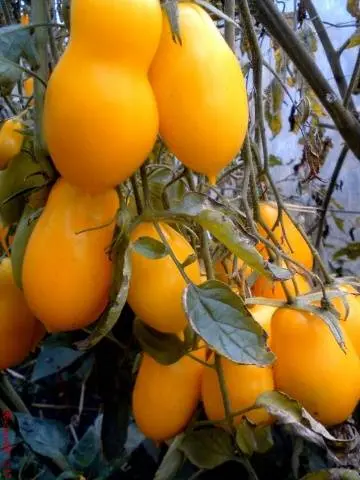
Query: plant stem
point(257, 65)
point(224, 393)
point(229, 9)
point(137, 196)
point(6, 11)
point(145, 184)
point(39, 15)
point(11, 395)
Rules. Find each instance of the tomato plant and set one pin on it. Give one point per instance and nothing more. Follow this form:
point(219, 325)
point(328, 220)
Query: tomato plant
point(163, 313)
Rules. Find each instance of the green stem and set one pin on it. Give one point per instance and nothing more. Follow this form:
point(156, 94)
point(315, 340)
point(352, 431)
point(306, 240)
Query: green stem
point(10, 393)
point(224, 393)
point(137, 196)
point(145, 184)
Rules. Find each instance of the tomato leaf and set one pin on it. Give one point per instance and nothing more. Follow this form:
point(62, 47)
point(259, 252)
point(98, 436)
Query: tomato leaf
point(354, 40)
point(45, 437)
point(172, 461)
point(351, 251)
point(253, 439)
point(333, 474)
point(218, 222)
point(207, 448)
point(150, 248)
point(158, 179)
point(119, 293)
point(274, 160)
point(56, 355)
point(219, 316)
point(165, 348)
point(86, 452)
point(23, 233)
point(289, 412)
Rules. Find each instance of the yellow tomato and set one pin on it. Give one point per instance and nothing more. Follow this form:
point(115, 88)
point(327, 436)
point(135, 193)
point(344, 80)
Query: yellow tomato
point(11, 141)
point(200, 92)
point(156, 286)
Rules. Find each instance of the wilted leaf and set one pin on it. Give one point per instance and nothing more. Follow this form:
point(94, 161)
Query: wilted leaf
point(354, 40)
point(119, 293)
point(158, 179)
point(333, 474)
point(351, 251)
point(150, 248)
point(53, 358)
point(289, 412)
point(172, 461)
point(45, 437)
point(353, 7)
point(308, 37)
point(165, 348)
point(207, 448)
point(339, 222)
point(274, 95)
point(274, 160)
point(219, 316)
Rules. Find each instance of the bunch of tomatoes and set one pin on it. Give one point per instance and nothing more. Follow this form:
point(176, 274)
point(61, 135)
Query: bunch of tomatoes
point(140, 82)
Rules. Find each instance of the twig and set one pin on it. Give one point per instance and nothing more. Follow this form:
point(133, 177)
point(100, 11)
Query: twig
point(353, 82)
point(267, 14)
point(328, 195)
point(135, 189)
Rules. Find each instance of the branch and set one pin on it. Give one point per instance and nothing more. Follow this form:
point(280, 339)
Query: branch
point(229, 9)
point(266, 13)
point(331, 54)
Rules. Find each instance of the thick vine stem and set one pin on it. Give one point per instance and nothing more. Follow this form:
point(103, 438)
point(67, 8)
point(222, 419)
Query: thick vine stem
point(268, 15)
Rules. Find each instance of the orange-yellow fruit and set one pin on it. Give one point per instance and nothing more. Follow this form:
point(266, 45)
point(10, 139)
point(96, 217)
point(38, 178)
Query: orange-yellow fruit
point(223, 274)
point(311, 367)
point(28, 86)
point(67, 272)
point(156, 286)
point(201, 93)
point(165, 397)
point(99, 131)
point(299, 249)
point(263, 315)
point(351, 323)
point(264, 287)
point(11, 141)
point(244, 384)
point(18, 325)
point(25, 19)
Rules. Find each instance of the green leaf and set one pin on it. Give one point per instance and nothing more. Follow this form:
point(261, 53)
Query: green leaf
point(274, 96)
point(333, 474)
point(54, 357)
point(86, 452)
point(119, 293)
point(274, 160)
point(150, 248)
point(16, 42)
point(219, 316)
point(289, 412)
point(354, 40)
point(158, 179)
point(218, 222)
point(45, 437)
point(351, 251)
point(253, 439)
point(23, 233)
point(207, 448)
point(165, 348)
point(339, 222)
point(172, 461)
